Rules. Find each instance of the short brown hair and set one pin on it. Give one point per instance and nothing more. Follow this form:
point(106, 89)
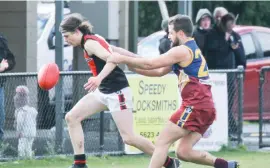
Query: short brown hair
point(182, 22)
point(173, 17)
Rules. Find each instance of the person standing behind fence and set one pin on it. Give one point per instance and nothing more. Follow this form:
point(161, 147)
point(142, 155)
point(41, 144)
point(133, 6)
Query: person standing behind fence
point(7, 63)
point(216, 49)
point(203, 21)
point(25, 118)
point(234, 40)
point(223, 49)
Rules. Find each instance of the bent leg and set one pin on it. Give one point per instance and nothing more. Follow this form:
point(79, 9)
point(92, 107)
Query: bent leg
point(186, 153)
point(124, 122)
point(87, 106)
point(168, 135)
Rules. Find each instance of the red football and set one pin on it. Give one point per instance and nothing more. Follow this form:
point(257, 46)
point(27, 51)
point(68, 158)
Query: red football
point(48, 76)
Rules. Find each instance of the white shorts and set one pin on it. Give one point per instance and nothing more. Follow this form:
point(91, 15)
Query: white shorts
point(116, 101)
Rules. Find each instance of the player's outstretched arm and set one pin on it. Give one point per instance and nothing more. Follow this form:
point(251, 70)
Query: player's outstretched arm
point(123, 51)
point(174, 55)
point(151, 73)
point(154, 72)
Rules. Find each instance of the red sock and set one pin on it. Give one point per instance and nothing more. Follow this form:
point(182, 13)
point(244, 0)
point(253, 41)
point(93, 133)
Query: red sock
point(168, 162)
point(221, 163)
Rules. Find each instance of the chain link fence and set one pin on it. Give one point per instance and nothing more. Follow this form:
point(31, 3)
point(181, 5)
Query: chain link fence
point(264, 108)
point(101, 134)
point(233, 104)
point(235, 92)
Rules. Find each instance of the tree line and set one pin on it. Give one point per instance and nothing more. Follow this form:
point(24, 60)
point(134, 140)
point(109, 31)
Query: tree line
point(250, 13)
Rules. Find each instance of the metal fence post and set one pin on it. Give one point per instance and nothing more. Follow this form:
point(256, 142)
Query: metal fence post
point(59, 95)
point(261, 82)
point(240, 103)
point(261, 103)
point(101, 134)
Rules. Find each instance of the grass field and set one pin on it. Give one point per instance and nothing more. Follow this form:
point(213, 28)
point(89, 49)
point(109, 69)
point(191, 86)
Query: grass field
point(246, 159)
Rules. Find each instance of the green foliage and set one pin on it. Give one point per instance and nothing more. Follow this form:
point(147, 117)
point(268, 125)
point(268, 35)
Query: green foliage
point(247, 10)
point(150, 17)
point(250, 13)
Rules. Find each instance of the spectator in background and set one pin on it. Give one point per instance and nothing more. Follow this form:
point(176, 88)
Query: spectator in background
point(7, 63)
point(234, 40)
point(165, 42)
point(213, 41)
point(203, 21)
point(223, 49)
point(218, 13)
point(25, 118)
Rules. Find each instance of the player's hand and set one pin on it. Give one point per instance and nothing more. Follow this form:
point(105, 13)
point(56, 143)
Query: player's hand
point(227, 36)
point(115, 58)
point(235, 46)
point(3, 65)
point(92, 84)
point(131, 68)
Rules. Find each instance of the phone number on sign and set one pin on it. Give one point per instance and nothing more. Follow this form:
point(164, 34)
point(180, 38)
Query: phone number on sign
point(149, 134)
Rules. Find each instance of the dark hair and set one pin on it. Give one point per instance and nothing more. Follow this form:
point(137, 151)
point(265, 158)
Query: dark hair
point(75, 21)
point(227, 17)
point(171, 19)
point(182, 22)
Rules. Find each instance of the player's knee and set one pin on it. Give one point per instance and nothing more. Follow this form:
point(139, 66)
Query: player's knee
point(129, 139)
point(160, 142)
point(184, 154)
point(71, 118)
point(68, 118)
